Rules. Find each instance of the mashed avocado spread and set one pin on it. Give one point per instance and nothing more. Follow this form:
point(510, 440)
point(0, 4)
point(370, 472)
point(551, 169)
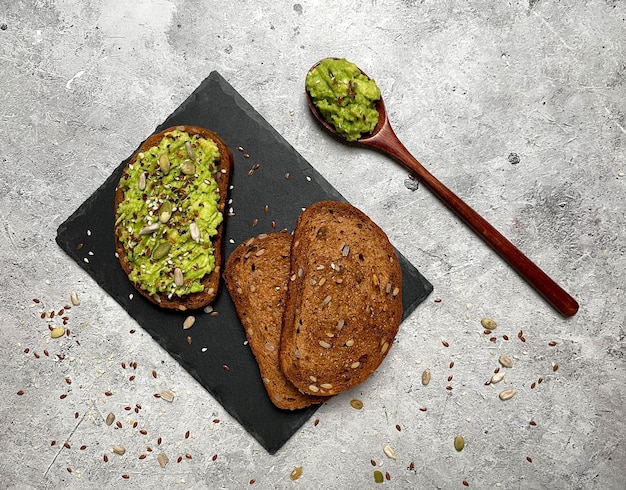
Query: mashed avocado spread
point(169, 213)
point(344, 96)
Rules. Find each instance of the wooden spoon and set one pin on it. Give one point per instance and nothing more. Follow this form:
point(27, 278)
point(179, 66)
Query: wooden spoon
point(384, 139)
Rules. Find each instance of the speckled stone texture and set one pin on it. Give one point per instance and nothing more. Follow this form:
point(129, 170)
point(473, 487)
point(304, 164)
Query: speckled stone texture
point(516, 106)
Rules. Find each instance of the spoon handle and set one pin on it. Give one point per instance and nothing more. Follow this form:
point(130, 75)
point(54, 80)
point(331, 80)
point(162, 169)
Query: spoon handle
point(389, 143)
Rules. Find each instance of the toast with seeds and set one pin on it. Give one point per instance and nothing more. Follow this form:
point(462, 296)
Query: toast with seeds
point(256, 276)
point(344, 300)
point(169, 220)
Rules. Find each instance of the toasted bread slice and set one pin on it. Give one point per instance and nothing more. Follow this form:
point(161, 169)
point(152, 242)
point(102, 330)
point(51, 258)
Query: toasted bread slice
point(256, 276)
point(344, 300)
point(177, 266)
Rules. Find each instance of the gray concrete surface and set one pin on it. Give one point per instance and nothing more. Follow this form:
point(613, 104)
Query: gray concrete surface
point(471, 88)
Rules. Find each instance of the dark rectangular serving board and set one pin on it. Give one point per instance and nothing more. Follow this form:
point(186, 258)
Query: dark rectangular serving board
point(218, 357)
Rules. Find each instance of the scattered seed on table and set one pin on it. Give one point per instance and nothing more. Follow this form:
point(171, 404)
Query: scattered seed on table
point(426, 377)
point(398, 428)
point(154, 373)
point(125, 476)
point(505, 361)
point(449, 388)
point(66, 445)
point(118, 424)
point(105, 458)
point(389, 451)
point(507, 394)
point(356, 404)
point(214, 457)
point(187, 435)
point(555, 368)
point(459, 443)
point(489, 323)
point(119, 450)
point(378, 476)
point(465, 483)
point(20, 393)
point(532, 422)
point(166, 395)
point(532, 385)
point(529, 459)
point(445, 344)
point(552, 344)
point(296, 473)
point(163, 460)
point(83, 447)
point(107, 393)
point(540, 380)
point(505, 337)
point(451, 364)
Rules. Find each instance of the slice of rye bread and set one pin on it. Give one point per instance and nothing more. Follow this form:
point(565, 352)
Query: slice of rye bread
point(256, 276)
point(344, 301)
point(210, 281)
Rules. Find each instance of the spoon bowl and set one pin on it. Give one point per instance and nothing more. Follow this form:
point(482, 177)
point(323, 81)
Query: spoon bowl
point(384, 139)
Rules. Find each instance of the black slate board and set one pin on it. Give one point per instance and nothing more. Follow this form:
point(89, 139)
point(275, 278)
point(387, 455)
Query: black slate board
point(218, 341)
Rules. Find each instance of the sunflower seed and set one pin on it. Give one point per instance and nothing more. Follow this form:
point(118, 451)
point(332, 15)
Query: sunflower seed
point(179, 279)
point(118, 450)
point(146, 230)
point(164, 164)
point(163, 460)
point(189, 149)
point(505, 361)
point(110, 418)
point(507, 394)
point(497, 377)
point(189, 321)
point(195, 232)
point(57, 332)
point(389, 452)
point(142, 181)
point(167, 395)
point(74, 298)
point(426, 377)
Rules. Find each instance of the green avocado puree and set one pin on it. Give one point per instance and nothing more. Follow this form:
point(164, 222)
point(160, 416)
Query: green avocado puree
point(344, 96)
point(184, 195)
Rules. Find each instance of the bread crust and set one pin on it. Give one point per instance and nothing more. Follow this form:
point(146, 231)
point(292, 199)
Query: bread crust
point(344, 301)
point(256, 276)
point(210, 281)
